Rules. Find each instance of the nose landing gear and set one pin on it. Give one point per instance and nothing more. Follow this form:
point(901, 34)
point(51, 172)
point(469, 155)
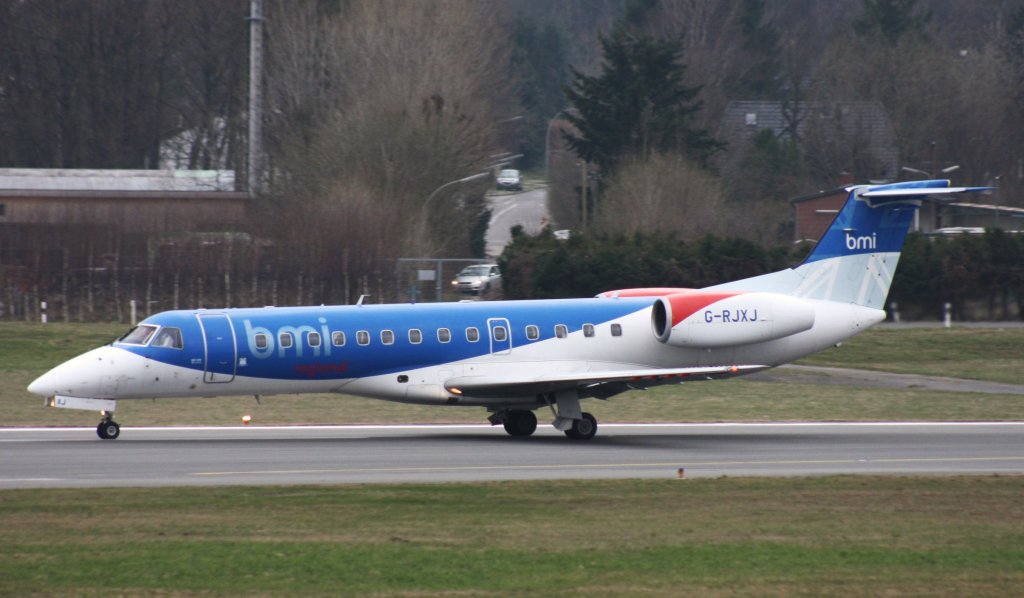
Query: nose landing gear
point(108, 428)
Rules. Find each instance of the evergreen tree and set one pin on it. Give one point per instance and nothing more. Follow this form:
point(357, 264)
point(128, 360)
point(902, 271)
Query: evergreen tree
point(637, 105)
point(761, 76)
point(539, 61)
point(891, 19)
point(1013, 50)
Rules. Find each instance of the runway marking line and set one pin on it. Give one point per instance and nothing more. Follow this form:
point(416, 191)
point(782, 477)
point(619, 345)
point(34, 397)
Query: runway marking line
point(689, 464)
point(257, 428)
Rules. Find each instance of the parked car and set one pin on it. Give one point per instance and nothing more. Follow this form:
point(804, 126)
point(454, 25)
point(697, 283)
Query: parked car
point(478, 279)
point(509, 179)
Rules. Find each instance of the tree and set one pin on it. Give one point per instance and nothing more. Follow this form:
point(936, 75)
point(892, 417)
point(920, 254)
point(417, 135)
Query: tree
point(770, 172)
point(891, 19)
point(639, 104)
point(538, 58)
point(346, 139)
point(664, 193)
point(84, 83)
point(587, 264)
point(1013, 50)
point(761, 77)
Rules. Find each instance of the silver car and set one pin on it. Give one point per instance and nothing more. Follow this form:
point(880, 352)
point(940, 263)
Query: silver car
point(478, 279)
point(509, 179)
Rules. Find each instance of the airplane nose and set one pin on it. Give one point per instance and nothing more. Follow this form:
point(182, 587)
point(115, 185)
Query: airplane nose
point(41, 385)
point(83, 376)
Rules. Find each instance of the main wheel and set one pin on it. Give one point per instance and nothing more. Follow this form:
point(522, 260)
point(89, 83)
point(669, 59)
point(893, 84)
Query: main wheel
point(583, 429)
point(520, 422)
point(108, 430)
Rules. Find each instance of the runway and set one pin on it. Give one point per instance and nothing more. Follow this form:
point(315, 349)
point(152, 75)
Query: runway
point(44, 458)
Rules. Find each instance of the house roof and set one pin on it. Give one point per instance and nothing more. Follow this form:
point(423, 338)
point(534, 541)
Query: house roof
point(743, 119)
point(818, 195)
point(117, 180)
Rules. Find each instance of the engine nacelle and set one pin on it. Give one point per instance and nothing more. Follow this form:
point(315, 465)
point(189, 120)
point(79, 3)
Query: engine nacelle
point(711, 319)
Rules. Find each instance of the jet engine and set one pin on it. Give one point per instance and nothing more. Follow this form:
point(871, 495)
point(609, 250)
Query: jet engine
point(712, 319)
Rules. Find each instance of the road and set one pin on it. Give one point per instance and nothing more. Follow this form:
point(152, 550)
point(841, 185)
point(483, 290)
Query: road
point(47, 458)
point(529, 209)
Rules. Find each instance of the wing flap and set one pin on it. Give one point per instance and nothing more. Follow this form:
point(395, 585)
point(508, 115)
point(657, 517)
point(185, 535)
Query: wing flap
point(518, 386)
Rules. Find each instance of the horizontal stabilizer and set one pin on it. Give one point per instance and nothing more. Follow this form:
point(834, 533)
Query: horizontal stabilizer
point(921, 193)
point(519, 386)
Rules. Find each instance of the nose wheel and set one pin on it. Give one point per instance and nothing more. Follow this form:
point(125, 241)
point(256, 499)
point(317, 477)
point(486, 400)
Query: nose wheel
point(108, 429)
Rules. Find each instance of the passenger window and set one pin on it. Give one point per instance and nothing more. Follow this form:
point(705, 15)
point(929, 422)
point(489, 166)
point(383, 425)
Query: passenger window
point(363, 337)
point(261, 341)
point(415, 336)
point(170, 338)
point(561, 330)
point(532, 332)
point(444, 335)
point(387, 337)
point(500, 334)
point(616, 329)
point(338, 339)
point(313, 338)
point(588, 330)
point(285, 340)
point(472, 334)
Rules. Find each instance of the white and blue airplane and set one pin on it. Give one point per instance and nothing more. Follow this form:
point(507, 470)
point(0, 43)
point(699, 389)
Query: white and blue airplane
point(514, 357)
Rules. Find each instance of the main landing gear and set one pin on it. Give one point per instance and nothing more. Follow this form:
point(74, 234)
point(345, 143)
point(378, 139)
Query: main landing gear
point(523, 422)
point(108, 428)
point(520, 422)
point(584, 428)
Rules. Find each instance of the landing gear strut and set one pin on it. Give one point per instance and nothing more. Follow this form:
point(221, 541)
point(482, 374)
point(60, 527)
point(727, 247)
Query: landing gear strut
point(108, 428)
point(576, 424)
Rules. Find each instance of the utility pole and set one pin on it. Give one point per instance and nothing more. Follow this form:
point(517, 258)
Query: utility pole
point(255, 19)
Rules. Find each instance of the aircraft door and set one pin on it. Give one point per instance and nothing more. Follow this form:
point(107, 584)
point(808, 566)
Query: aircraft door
point(500, 335)
point(219, 348)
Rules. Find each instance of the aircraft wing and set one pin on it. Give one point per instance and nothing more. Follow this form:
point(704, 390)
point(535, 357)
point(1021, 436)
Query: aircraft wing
point(597, 384)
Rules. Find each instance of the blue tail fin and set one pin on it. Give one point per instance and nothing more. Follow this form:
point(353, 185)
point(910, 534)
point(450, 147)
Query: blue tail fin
point(854, 261)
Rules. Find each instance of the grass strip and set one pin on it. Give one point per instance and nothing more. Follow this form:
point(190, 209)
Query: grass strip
point(992, 354)
point(859, 535)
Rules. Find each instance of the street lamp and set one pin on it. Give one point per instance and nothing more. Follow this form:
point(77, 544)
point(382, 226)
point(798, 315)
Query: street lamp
point(425, 210)
point(467, 179)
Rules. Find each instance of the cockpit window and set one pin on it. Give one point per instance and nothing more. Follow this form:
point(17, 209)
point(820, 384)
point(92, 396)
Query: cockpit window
point(168, 338)
point(139, 335)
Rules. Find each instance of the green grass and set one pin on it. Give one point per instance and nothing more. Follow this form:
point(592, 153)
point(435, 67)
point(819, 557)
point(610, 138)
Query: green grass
point(840, 535)
point(994, 354)
point(27, 350)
